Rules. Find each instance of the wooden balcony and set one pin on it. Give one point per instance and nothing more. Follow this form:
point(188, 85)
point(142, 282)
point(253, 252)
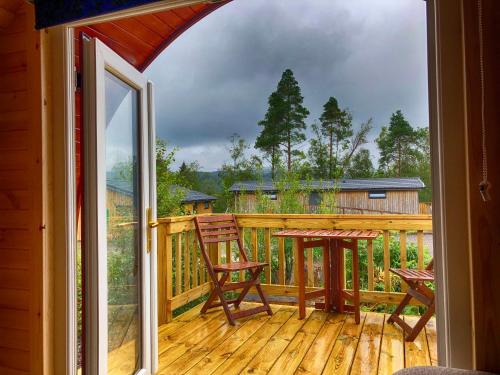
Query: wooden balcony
point(283, 344)
point(198, 344)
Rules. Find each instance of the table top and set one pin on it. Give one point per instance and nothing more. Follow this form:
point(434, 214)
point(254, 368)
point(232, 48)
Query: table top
point(335, 233)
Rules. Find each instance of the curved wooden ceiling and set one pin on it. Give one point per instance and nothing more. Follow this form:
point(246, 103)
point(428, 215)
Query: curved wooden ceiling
point(140, 39)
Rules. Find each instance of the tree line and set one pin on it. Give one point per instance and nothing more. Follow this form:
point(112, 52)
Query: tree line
point(335, 150)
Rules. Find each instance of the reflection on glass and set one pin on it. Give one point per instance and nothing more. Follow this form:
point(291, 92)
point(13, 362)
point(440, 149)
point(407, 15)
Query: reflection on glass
point(123, 237)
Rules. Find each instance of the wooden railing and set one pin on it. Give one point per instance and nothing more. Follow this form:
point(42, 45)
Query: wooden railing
point(182, 276)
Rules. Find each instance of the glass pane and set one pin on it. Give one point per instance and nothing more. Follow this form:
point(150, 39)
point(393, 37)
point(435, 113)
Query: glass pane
point(123, 236)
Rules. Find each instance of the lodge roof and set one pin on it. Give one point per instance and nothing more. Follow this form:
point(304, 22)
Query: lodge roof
point(118, 184)
point(346, 184)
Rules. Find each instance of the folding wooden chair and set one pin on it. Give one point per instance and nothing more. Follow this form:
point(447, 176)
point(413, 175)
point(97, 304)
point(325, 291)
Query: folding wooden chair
point(416, 280)
point(223, 228)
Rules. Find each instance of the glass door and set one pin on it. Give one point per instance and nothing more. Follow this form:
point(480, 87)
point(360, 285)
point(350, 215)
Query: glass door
point(118, 152)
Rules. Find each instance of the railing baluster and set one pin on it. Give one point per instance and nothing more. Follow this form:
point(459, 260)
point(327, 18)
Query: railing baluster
point(255, 247)
point(178, 264)
point(185, 243)
point(162, 275)
point(387, 262)
point(170, 277)
point(242, 236)
point(310, 271)
point(267, 241)
point(369, 250)
point(229, 259)
point(420, 247)
point(295, 253)
point(281, 261)
point(402, 251)
point(194, 260)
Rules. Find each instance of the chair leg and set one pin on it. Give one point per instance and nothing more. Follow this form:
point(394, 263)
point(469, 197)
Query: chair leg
point(421, 323)
point(400, 308)
point(214, 294)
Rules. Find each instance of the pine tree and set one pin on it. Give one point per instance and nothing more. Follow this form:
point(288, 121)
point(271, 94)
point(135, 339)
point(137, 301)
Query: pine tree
point(336, 126)
point(284, 124)
point(361, 165)
point(397, 145)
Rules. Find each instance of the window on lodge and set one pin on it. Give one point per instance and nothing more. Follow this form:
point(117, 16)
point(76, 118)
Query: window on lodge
point(377, 195)
point(314, 198)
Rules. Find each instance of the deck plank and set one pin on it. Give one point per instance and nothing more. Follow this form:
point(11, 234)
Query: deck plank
point(218, 356)
point(290, 359)
point(416, 352)
point(392, 353)
point(196, 353)
point(344, 350)
point(430, 330)
point(241, 357)
point(368, 351)
point(266, 357)
point(314, 360)
point(182, 346)
point(165, 342)
point(322, 343)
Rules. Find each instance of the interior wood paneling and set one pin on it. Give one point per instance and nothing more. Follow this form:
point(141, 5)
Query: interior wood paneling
point(20, 190)
point(484, 216)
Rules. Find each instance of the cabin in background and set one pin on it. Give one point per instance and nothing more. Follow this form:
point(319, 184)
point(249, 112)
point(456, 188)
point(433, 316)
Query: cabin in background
point(346, 196)
point(195, 202)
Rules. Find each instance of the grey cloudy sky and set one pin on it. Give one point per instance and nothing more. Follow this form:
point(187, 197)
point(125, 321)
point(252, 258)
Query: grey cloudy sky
point(215, 79)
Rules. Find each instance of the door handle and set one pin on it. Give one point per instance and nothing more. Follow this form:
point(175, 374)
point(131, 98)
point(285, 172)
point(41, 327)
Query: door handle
point(151, 225)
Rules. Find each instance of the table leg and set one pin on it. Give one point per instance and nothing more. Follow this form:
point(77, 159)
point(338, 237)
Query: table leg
point(340, 276)
point(300, 278)
point(334, 279)
point(355, 281)
point(326, 275)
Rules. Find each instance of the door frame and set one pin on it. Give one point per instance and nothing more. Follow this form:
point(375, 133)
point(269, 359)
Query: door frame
point(446, 92)
point(97, 59)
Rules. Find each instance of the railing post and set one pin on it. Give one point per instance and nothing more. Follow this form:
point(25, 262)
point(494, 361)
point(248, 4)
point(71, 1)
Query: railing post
point(420, 247)
point(369, 250)
point(267, 242)
point(162, 277)
point(387, 262)
point(281, 261)
point(169, 277)
point(402, 250)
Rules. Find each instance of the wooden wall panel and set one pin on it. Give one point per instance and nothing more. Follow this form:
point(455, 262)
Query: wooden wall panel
point(484, 216)
point(20, 193)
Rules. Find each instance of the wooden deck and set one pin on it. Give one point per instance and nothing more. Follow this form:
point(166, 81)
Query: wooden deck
point(282, 344)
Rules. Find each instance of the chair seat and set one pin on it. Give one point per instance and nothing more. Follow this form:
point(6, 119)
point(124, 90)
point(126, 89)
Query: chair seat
point(238, 266)
point(414, 275)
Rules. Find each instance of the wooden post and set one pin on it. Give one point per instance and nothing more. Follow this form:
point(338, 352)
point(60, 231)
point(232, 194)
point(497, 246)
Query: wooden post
point(310, 271)
point(169, 276)
point(387, 262)
point(267, 248)
point(369, 249)
point(242, 236)
point(295, 262)
point(161, 276)
point(194, 260)
point(186, 242)
point(178, 264)
point(402, 250)
point(255, 249)
point(420, 247)
point(281, 261)
point(299, 260)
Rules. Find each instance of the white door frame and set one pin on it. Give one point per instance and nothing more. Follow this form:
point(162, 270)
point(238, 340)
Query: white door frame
point(443, 98)
point(99, 58)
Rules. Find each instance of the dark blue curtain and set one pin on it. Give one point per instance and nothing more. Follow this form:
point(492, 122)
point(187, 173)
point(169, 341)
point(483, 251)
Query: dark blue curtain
point(56, 12)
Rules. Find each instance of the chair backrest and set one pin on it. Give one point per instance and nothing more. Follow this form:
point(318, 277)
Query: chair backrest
point(430, 266)
point(215, 229)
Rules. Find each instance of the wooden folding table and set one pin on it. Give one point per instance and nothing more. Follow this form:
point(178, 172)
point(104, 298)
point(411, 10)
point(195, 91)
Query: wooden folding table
point(333, 243)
